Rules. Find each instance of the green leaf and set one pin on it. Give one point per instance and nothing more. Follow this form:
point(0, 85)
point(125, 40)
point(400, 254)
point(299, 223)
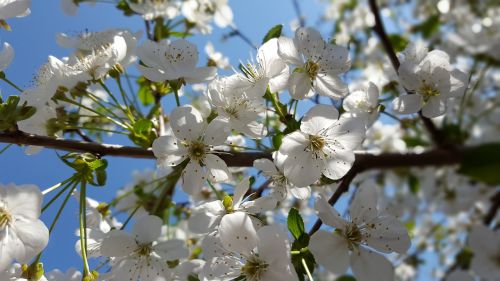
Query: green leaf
point(274, 32)
point(414, 184)
point(428, 27)
point(482, 163)
point(123, 5)
point(398, 42)
point(295, 223)
point(277, 139)
point(146, 95)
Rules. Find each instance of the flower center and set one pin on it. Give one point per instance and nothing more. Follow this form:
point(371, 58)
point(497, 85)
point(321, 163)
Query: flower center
point(312, 69)
point(279, 179)
point(254, 268)
point(352, 234)
point(5, 218)
point(316, 143)
point(197, 150)
point(427, 91)
point(144, 250)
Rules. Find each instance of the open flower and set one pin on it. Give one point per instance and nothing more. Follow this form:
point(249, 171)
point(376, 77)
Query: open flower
point(266, 257)
point(269, 70)
point(318, 64)
point(354, 238)
point(173, 61)
point(13, 8)
point(236, 108)
point(152, 9)
point(432, 81)
point(193, 139)
point(279, 183)
point(139, 256)
point(207, 217)
point(323, 145)
point(22, 234)
point(363, 103)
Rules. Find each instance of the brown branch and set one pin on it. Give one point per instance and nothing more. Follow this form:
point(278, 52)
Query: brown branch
point(436, 135)
point(435, 157)
point(492, 212)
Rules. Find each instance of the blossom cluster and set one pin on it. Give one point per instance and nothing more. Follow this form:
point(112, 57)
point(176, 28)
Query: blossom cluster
point(228, 222)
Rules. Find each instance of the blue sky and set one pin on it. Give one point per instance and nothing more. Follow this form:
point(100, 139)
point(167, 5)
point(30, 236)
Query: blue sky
point(33, 39)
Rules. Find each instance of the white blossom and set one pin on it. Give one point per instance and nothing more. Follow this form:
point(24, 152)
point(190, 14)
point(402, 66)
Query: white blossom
point(356, 240)
point(193, 139)
point(317, 64)
point(139, 256)
point(432, 81)
point(173, 61)
point(323, 145)
point(22, 234)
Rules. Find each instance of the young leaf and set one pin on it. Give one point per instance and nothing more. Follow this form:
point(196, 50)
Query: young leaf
point(482, 163)
point(274, 32)
point(295, 223)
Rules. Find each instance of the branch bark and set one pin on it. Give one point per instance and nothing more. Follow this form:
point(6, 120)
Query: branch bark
point(435, 157)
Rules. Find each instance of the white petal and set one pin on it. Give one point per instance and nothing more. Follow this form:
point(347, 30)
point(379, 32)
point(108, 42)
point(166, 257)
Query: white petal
point(23, 200)
point(328, 214)
point(408, 74)
point(201, 74)
point(458, 83)
point(166, 149)
point(318, 118)
point(273, 245)
point(387, 234)
point(330, 251)
point(338, 166)
point(299, 85)
point(288, 51)
point(6, 56)
point(330, 85)
point(237, 233)
point(302, 168)
point(33, 235)
point(309, 42)
point(347, 133)
point(370, 266)
point(434, 107)
point(193, 178)
point(152, 74)
point(217, 168)
point(217, 132)
point(266, 166)
point(206, 217)
point(172, 249)
point(364, 206)
point(187, 123)
point(301, 193)
point(117, 244)
point(240, 190)
point(407, 104)
point(259, 205)
point(147, 229)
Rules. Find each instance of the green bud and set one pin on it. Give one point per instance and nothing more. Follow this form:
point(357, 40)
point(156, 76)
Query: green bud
point(227, 202)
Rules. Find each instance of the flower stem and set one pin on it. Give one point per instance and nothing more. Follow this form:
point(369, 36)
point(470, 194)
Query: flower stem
point(11, 84)
point(307, 270)
point(83, 228)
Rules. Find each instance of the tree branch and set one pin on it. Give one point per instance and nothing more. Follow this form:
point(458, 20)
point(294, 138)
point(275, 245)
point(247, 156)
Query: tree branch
point(435, 157)
point(436, 135)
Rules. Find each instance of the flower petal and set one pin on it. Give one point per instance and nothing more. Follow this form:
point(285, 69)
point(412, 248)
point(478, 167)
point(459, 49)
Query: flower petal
point(330, 250)
point(370, 266)
point(147, 229)
point(238, 233)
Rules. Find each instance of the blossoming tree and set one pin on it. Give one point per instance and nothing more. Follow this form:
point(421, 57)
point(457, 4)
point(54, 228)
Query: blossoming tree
point(353, 155)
